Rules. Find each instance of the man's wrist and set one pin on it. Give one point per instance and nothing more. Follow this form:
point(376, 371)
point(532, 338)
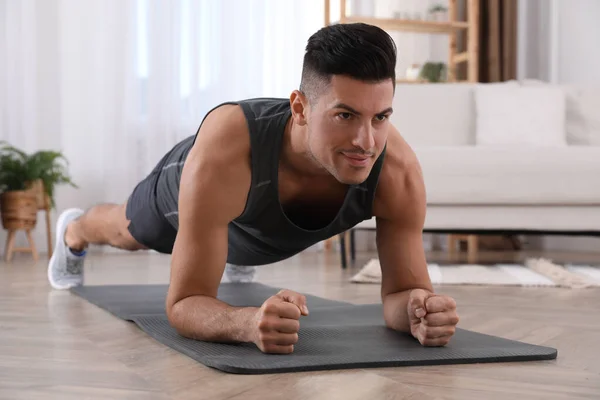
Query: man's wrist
point(245, 319)
point(395, 310)
point(395, 306)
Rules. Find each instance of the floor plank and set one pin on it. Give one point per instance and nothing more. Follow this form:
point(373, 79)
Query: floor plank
point(56, 345)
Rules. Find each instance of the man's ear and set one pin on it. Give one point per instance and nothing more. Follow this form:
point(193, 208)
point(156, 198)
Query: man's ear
point(299, 106)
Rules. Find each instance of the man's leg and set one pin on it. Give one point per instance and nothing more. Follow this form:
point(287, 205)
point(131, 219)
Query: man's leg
point(104, 224)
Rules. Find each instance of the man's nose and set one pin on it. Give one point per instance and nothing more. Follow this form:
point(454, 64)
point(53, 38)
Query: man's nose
point(364, 137)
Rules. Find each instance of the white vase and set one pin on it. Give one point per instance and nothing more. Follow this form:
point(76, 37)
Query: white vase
point(440, 16)
point(412, 72)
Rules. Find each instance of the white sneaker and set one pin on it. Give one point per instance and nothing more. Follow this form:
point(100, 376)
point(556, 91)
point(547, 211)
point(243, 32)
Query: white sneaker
point(240, 273)
point(65, 269)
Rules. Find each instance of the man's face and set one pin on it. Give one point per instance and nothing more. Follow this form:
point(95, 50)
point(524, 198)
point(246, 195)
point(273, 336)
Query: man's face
point(348, 126)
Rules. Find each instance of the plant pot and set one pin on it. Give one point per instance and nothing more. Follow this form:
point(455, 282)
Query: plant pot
point(42, 199)
point(19, 209)
point(440, 16)
point(413, 72)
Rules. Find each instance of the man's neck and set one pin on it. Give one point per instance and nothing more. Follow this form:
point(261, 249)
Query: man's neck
point(295, 154)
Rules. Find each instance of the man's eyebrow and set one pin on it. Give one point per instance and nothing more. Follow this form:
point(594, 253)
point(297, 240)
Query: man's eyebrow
point(346, 107)
point(386, 111)
point(352, 110)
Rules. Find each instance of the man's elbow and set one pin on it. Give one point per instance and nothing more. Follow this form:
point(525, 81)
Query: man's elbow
point(178, 317)
point(174, 316)
point(184, 317)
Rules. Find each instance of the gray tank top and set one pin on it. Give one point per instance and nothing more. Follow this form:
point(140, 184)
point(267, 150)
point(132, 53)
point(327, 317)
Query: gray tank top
point(264, 234)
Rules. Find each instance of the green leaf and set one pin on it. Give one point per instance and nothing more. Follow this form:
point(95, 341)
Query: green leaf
point(18, 169)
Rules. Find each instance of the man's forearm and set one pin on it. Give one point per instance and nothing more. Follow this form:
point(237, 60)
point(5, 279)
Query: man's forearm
point(395, 310)
point(209, 319)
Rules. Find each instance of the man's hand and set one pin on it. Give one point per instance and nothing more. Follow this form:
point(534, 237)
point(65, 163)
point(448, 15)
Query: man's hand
point(432, 317)
point(277, 322)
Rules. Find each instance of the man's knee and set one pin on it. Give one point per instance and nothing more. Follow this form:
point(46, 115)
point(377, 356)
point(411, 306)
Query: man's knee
point(126, 241)
point(123, 237)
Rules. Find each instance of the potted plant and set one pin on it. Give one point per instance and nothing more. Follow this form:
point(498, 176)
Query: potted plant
point(438, 12)
point(27, 183)
point(434, 72)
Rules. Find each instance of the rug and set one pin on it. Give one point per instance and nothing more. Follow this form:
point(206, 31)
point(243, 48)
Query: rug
point(533, 273)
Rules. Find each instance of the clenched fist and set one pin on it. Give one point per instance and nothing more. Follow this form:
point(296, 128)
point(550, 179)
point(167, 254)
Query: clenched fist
point(432, 317)
point(277, 322)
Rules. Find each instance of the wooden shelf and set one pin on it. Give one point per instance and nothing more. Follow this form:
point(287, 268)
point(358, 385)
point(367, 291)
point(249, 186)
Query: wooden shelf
point(399, 80)
point(422, 81)
point(407, 25)
point(453, 27)
point(461, 57)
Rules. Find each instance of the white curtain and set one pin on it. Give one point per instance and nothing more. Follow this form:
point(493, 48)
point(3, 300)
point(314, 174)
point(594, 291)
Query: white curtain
point(113, 84)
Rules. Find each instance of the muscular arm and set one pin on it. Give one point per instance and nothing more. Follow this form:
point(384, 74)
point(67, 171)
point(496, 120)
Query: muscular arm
point(400, 207)
point(214, 187)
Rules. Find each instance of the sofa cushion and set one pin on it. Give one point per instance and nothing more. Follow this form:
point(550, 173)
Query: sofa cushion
point(508, 115)
point(487, 175)
point(582, 115)
point(435, 114)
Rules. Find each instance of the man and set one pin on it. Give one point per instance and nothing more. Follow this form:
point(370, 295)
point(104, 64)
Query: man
point(262, 180)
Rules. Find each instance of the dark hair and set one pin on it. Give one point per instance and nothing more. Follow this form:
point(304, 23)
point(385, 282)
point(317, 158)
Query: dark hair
point(360, 51)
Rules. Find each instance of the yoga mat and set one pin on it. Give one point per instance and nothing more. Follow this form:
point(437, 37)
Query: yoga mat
point(128, 301)
point(335, 335)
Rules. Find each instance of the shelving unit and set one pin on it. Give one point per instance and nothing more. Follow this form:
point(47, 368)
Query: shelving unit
point(453, 28)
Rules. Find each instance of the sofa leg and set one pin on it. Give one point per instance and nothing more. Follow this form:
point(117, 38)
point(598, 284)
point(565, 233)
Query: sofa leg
point(452, 241)
point(473, 247)
point(343, 257)
point(352, 244)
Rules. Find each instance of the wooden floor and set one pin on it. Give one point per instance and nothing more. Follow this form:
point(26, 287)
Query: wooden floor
point(54, 345)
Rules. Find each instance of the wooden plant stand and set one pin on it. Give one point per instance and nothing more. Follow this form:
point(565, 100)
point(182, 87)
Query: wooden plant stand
point(10, 242)
point(21, 215)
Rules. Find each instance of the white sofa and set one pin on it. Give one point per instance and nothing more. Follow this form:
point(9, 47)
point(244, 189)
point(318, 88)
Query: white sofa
point(514, 157)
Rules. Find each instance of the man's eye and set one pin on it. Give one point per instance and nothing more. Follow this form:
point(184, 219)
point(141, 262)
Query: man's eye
point(381, 117)
point(345, 115)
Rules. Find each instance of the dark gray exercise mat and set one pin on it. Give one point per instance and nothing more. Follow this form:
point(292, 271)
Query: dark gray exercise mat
point(335, 335)
point(127, 301)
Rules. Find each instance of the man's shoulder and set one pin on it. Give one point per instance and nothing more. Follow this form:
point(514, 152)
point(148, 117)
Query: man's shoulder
point(264, 107)
point(223, 136)
point(223, 139)
point(401, 162)
point(254, 108)
point(218, 163)
point(401, 186)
